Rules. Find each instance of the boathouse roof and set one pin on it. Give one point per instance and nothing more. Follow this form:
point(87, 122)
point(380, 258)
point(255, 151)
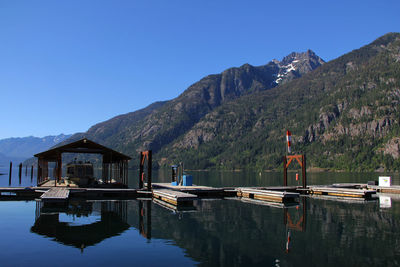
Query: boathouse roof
point(84, 145)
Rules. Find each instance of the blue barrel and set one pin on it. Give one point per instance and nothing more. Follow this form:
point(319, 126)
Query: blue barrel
point(187, 180)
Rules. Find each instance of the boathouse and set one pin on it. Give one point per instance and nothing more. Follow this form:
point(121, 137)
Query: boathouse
point(114, 164)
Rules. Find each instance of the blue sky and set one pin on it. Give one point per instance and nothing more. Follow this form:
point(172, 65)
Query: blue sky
point(67, 65)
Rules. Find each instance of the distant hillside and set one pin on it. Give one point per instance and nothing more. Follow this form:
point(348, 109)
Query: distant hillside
point(21, 148)
point(162, 123)
point(343, 114)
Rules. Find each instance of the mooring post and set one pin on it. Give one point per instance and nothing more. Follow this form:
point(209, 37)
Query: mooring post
point(26, 170)
point(9, 176)
point(20, 172)
point(141, 170)
point(149, 159)
point(304, 174)
point(31, 173)
point(284, 171)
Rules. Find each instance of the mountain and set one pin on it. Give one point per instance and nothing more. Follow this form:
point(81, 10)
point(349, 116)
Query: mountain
point(162, 123)
point(21, 148)
point(343, 115)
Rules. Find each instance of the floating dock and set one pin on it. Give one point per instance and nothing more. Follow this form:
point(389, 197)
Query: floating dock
point(340, 192)
point(176, 198)
point(198, 190)
point(267, 195)
point(56, 194)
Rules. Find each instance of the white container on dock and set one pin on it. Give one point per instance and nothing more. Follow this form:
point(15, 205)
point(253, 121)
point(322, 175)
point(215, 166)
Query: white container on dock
point(385, 181)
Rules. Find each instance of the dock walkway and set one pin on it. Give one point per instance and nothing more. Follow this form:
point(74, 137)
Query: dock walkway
point(56, 194)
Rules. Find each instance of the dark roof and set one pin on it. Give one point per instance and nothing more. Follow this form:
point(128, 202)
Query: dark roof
point(84, 146)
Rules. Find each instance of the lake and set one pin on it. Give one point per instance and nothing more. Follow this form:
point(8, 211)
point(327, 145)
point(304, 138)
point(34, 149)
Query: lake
point(216, 232)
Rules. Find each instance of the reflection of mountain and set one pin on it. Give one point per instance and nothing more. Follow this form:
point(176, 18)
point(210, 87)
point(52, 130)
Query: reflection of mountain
point(80, 236)
point(234, 233)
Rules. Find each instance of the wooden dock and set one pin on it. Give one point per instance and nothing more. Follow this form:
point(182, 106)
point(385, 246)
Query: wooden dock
point(174, 197)
point(267, 195)
point(56, 194)
point(394, 189)
point(340, 192)
point(198, 190)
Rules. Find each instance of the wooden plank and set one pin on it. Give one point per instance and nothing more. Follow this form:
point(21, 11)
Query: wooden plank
point(56, 194)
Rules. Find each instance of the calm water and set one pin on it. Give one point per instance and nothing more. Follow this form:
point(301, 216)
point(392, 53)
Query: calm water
point(226, 232)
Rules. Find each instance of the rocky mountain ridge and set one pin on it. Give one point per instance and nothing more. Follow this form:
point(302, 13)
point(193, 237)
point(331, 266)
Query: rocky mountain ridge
point(160, 124)
point(343, 114)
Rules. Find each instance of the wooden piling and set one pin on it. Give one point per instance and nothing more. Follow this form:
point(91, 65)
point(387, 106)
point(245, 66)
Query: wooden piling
point(149, 159)
point(284, 171)
point(19, 172)
point(9, 176)
point(31, 173)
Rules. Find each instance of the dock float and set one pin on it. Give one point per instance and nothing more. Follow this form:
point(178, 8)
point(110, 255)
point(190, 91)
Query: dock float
point(198, 190)
point(394, 189)
point(55, 194)
point(267, 195)
point(341, 192)
point(174, 197)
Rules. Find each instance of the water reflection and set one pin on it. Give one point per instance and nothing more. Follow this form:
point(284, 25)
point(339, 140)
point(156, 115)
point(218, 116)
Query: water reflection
point(111, 221)
point(231, 232)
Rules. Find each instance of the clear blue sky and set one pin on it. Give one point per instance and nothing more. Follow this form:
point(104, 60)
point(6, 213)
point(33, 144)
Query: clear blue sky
point(67, 65)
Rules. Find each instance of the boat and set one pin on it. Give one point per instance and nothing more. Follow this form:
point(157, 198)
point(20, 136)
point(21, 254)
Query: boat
point(80, 173)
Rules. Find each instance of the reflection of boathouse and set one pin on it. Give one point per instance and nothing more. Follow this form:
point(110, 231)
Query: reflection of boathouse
point(87, 223)
point(114, 164)
point(109, 222)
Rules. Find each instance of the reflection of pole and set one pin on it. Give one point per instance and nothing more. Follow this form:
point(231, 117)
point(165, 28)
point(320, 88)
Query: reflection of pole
point(141, 211)
point(145, 232)
point(287, 241)
point(148, 220)
point(304, 214)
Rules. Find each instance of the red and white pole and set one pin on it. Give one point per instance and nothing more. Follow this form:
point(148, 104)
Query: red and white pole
point(289, 140)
